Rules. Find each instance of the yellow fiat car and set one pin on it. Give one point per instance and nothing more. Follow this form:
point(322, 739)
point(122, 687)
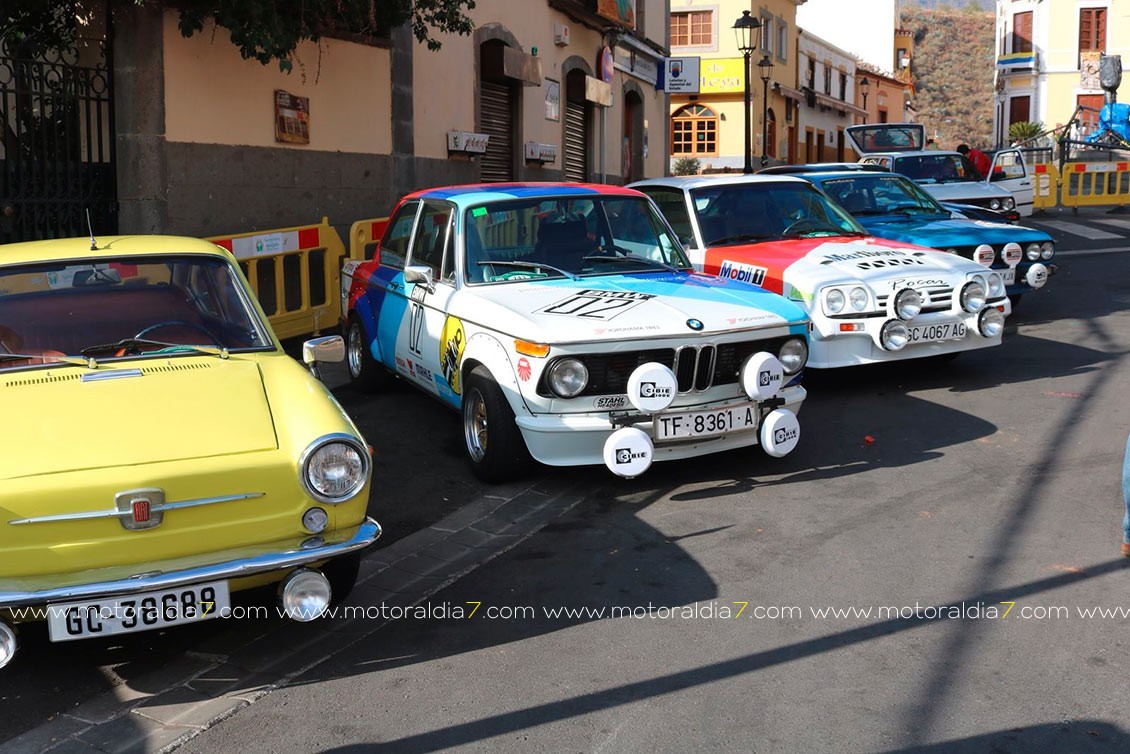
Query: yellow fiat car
point(159, 449)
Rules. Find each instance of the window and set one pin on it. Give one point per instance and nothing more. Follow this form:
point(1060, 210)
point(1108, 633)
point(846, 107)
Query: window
point(827, 79)
point(692, 29)
point(811, 80)
point(674, 207)
point(766, 33)
point(1022, 32)
point(1092, 30)
point(782, 41)
point(694, 131)
point(394, 245)
point(433, 239)
point(843, 86)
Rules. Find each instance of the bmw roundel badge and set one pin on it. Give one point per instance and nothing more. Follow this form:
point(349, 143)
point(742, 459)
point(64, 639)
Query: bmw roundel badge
point(695, 324)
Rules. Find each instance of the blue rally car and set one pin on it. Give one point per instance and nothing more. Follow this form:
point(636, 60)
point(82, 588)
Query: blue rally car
point(890, 205)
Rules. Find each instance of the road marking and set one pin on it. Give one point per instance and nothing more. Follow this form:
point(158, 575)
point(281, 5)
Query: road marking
point(1085, 252)
point(1116, 222)
point(1093, 234)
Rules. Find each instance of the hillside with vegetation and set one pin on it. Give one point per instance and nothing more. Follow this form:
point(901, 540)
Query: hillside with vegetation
point(953, 68)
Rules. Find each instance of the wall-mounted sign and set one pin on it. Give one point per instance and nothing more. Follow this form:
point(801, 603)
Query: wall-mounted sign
point(604, 64)
point(722, 75)
point(536, 152)
point(1089, 69)
point(552, 100)
point(637, 63)
point(681, 76)
point(622, 12)
point(292, 118)
point(467, 142)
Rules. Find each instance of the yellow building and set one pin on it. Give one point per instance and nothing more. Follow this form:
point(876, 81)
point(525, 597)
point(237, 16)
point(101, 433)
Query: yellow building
point(1047, 52)
point(710, 125)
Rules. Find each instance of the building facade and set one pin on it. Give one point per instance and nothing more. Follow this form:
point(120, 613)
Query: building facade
point(829, 88)
point(710, 125)
point(202, 142)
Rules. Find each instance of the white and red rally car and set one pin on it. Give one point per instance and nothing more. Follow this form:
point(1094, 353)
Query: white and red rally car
point(870, 300)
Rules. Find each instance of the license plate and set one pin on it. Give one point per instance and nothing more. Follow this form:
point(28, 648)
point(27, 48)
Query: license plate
point(938, 332)
point(717, 421)
point(137, 612)
point(1008, 276)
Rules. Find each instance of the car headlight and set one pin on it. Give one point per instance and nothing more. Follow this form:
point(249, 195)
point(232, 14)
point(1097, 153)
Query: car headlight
point(994, 204)
point(334, 468)
point(991, 322)
point(1009, 203)
point(859, 298)
point(835, 301)
point(908, 304)
point(567, 377)
point(984, 255)
point(895, 335)
point(1011, 253)
point(793, 355)
point(995, 286)
point(1033, 251)
point(1047, 249)
point(973, 296)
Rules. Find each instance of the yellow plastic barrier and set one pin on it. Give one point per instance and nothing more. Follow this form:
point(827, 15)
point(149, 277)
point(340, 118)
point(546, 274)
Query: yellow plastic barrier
point(295, 273)
point(1045, 185)
point(363, 236)
point(1095, 183)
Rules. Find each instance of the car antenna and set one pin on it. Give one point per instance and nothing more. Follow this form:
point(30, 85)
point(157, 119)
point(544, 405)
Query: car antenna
point(89, 227)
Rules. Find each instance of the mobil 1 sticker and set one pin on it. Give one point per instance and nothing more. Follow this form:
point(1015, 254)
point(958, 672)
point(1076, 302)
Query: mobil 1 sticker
point(592, 304)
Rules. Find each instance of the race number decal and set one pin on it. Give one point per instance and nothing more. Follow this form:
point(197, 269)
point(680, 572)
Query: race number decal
point(416, 319)
point(591, 304)
point(452, 341)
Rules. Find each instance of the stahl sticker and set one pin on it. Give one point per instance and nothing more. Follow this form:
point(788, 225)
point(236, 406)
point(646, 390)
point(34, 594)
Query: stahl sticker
point(611, 402)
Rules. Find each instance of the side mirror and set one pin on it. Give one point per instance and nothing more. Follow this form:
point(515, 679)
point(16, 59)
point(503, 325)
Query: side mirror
point(421, 275)
point(330, 348)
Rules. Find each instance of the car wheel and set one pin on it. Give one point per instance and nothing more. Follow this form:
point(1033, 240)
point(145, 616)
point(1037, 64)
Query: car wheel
point(364, 372)
point(1015, 299)
point(342, 574)
point(495, 448)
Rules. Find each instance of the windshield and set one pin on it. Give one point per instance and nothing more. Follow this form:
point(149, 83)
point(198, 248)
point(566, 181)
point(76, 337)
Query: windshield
point(118, 308)
point(873, 195)
point(567, 236)
point(937, 168)
point(734, 213)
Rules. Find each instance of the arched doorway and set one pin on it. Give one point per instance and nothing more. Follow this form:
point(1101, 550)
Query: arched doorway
point(499, 98)
point(632, 152)
point(578, 129)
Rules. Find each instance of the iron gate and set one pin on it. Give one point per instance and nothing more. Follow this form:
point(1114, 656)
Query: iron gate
point(56, 140)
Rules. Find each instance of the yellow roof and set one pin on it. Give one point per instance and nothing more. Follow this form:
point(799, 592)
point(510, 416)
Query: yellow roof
point(108, 247)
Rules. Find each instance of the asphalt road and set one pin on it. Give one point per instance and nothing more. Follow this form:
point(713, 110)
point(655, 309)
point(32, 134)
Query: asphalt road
point(986, 485)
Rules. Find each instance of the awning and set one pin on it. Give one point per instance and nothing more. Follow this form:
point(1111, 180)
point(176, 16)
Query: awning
point(789, 93)
point(838, 104)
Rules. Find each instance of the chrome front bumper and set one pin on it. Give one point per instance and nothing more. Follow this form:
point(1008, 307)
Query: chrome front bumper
point(228, 564)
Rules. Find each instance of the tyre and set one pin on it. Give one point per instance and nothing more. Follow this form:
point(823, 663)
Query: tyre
point(495, 448)
point(342, 574)
point(364, 372)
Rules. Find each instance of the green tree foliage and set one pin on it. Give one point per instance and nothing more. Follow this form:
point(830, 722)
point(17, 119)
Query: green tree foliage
point(263, 30)
point(953, 67)
point(1024, 130)
point(686, 166)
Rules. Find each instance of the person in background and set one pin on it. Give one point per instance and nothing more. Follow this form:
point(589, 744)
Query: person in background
point(1126, 501)
point(979, 159)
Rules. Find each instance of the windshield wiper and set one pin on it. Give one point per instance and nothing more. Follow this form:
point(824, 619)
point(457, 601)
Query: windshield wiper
point(739, 238)
point(163, 347)
point(630, 258)
point(75, 360)
point(808, 228)
point(528, 266)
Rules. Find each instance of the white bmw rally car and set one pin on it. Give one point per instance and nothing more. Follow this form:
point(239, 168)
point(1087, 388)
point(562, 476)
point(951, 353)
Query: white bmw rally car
point(564, 321)
point(870, 299)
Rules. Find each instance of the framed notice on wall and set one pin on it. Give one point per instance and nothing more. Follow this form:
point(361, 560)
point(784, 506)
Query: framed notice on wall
point(292, 118)
point(552, 100)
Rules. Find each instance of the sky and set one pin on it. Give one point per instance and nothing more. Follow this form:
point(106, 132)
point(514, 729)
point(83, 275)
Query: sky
point(864, 28)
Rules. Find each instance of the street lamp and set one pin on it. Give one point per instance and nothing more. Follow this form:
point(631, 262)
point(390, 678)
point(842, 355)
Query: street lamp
point(747, 29)
point(864, 86)
point(766, 68)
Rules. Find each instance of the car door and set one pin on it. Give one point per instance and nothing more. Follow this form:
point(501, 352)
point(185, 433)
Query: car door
point(385, 303)
point(1010, 172)
point(430, 255)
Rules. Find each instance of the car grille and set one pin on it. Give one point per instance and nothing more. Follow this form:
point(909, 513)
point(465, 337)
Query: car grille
point(697, 366)
point(935, 299)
